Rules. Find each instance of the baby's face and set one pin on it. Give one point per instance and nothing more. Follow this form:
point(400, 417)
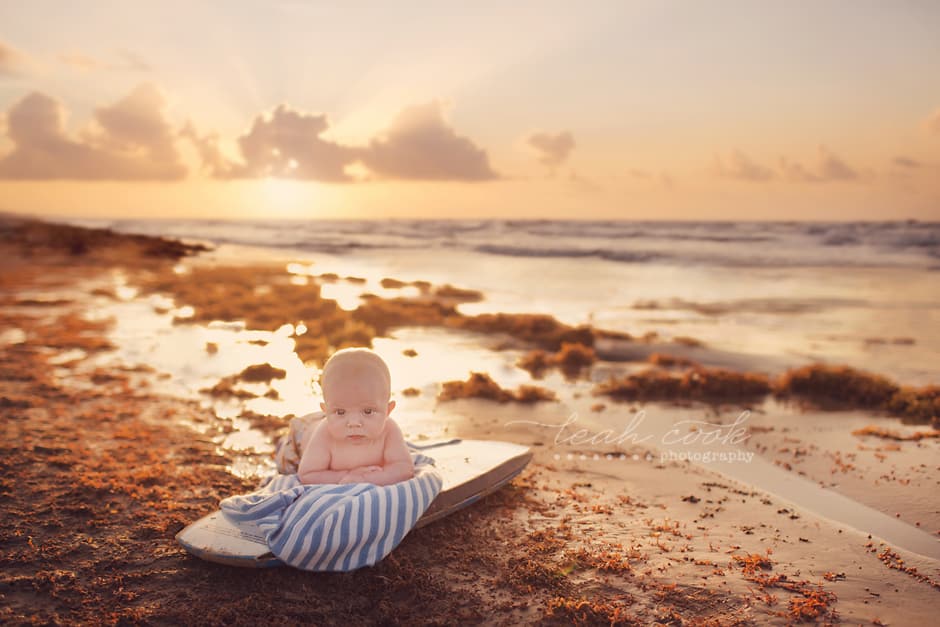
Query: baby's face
point(356, 408)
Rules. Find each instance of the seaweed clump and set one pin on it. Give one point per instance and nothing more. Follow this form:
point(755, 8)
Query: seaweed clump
point(664, 360)
point(34, 235)
point(572, 359)
point(540, 330)
point(837, 386)
point(261, 373)
point(842, 387)
point(696, 384)
point(919, 404)
point(480, 385)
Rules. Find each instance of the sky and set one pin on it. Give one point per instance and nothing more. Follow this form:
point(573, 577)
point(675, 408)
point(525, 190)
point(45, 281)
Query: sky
point(718, 110)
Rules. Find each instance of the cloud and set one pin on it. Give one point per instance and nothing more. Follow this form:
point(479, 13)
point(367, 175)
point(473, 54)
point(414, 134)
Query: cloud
point(829, 168)
point(419, 145)
point(663, 178)
point(137, 123)
point(284, 144)
point(129, 60)
point(932, 123)
point(552, 150)
point(79, 61)
point(743, 168)
point(132, 141)
point(125, 61)
point(207, 146)
point(906, 162)
point(12, 61)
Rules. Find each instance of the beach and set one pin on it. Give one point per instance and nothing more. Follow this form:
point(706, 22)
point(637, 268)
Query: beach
point(696, 460)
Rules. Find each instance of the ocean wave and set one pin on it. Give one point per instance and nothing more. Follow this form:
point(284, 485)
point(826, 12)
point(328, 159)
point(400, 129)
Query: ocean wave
point(727, 244)
point(571, 253)
point(639, 230)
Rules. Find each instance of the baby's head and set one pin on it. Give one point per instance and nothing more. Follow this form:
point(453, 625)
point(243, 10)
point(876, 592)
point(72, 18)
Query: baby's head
point(356, 388)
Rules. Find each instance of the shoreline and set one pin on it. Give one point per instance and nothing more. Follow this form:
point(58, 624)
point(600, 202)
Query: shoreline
point(114, 471)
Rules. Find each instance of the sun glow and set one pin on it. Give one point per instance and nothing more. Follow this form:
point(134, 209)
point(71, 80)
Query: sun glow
point(286, 197)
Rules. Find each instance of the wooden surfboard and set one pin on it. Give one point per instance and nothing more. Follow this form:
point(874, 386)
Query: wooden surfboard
point(470, 469)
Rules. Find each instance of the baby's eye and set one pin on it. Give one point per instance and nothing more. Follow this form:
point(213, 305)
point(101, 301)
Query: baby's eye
point(339, 412)
point(368, 411)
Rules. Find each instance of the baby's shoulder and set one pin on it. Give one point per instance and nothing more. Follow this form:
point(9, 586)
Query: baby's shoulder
point(393, 434)
point(392, 428)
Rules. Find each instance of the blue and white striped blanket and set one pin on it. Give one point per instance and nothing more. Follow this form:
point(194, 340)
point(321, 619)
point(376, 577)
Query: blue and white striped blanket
point(334, 527)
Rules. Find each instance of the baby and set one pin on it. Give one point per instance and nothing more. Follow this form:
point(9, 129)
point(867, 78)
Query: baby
point(357, 441)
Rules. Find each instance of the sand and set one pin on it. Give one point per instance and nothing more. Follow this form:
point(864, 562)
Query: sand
point(101, 468)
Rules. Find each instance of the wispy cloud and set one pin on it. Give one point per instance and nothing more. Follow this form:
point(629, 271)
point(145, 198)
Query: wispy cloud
point(664, 179)
point(123, 61)
point(906, 162)
point(552, 149)
point(12, 61)
point(932, 123)
point(740, 166)
point(829, 167)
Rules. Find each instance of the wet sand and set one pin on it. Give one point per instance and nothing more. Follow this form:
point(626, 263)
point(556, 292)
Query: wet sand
point(102, 466)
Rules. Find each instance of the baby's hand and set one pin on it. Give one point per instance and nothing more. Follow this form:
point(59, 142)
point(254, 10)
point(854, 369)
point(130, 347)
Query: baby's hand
point(353, 476)
point(360, 475)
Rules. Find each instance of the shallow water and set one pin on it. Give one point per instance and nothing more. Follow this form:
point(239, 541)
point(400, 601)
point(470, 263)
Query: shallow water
point(862, 293)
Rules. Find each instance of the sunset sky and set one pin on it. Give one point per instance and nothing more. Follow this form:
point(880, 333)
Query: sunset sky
point(645, 110)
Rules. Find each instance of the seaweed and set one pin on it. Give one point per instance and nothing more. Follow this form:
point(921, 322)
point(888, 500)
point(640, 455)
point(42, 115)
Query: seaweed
point(696, 384)
point(572, 359)
point(480, 385)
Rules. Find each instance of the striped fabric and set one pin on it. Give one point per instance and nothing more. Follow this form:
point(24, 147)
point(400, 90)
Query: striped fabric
point(335, 527)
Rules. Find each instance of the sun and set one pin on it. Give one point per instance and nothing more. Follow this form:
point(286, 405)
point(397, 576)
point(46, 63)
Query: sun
point(282, 197)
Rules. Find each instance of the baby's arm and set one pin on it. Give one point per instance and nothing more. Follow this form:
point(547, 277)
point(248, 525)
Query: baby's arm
point(315, 462)
point(396, 457)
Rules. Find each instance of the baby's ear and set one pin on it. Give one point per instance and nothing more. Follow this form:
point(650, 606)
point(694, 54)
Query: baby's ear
point(391, 406)
point(323, 407)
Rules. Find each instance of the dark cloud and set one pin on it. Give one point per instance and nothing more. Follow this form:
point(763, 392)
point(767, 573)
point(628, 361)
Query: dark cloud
point(12, 61)
point(132, 141)
point(419, 145)
point(743, 168)
point(552, 149)
point(829, 168)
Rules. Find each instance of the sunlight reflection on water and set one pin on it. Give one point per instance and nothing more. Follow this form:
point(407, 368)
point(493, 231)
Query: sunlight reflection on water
point(197, 356)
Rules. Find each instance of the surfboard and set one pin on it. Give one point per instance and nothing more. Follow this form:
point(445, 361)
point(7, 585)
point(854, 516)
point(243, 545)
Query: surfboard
point(471, 469)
